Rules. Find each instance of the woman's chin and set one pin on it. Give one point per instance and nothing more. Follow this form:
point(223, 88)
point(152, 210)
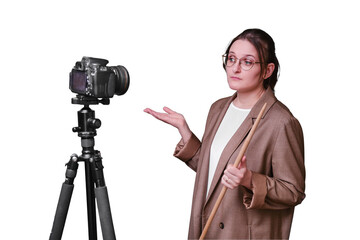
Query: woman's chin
point(236, 86)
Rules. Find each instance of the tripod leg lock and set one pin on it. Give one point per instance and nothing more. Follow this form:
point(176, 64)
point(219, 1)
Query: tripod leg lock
point(71, 170)
point(97, 169)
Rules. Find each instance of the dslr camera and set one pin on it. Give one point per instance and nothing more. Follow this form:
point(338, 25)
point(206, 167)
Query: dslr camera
point(90, 77)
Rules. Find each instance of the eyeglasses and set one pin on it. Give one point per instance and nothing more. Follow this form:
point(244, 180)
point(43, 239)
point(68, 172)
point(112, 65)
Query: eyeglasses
point(245, 63)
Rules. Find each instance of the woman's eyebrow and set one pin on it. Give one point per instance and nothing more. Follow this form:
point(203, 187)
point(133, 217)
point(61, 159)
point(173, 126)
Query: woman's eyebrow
point(246, 55)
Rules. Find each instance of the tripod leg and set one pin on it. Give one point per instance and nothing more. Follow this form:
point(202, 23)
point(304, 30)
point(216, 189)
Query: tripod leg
point(64, 199)
point(102, 198)
point(61, 211)
point(90, 199)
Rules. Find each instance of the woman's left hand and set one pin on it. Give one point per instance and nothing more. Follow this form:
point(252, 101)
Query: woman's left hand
point(235, 176)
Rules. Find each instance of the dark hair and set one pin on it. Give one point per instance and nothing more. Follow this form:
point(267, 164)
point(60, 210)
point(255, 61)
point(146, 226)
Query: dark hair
point(265, 48)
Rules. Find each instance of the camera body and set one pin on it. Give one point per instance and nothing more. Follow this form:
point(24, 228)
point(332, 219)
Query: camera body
point(91, 77)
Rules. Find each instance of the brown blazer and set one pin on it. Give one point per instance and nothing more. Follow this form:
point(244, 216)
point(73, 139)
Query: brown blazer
point(275, 156)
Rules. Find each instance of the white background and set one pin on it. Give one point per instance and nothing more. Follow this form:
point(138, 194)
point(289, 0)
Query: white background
point(172, 50)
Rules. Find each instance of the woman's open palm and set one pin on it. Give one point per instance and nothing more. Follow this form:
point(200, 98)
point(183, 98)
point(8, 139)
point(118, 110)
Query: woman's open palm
point(174, 119)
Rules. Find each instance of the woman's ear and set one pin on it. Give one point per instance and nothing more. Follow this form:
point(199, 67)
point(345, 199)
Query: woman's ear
point(269, 70)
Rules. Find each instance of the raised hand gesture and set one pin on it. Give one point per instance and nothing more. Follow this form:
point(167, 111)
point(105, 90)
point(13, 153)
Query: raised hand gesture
point(174, 119)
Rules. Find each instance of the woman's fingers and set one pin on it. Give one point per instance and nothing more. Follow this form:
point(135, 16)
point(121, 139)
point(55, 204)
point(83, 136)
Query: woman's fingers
point(235, 176)
point(168, 110)
point(170, 117)
point(158, 115)
point(174, 119)
point(227, 182)
point(242, 163)
point(149, 111)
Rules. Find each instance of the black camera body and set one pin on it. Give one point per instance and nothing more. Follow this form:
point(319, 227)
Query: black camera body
point(91, 77)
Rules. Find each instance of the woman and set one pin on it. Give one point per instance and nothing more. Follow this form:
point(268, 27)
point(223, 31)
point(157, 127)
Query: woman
point(270, 180)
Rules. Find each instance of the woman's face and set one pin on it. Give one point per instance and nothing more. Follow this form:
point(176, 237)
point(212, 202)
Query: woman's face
point(244, 81)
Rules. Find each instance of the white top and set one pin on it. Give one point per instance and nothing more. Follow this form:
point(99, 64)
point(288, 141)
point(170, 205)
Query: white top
point(233, 118)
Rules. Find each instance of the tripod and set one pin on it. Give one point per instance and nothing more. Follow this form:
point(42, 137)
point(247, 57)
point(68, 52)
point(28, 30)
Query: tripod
point(87, 125)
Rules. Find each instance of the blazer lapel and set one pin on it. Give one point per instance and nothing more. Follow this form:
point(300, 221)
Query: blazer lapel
point(229, 150)
point(238, 137)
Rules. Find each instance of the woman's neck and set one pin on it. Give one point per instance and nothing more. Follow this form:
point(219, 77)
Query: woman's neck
point(247, 100)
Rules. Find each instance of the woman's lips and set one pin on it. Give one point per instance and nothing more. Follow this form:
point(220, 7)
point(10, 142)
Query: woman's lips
point(235, 78)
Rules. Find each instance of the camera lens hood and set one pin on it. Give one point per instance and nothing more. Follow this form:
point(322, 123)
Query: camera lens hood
point(122, 81)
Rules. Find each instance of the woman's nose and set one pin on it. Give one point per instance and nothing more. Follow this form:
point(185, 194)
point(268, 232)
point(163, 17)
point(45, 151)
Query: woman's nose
point(236, 67)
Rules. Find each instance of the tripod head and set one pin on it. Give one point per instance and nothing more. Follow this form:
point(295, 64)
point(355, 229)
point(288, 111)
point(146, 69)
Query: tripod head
point(87, 123)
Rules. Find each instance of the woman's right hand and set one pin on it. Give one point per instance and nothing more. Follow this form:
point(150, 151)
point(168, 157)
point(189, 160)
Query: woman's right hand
point(174, 119)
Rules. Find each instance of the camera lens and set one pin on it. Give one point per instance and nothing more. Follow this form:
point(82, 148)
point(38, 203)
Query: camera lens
point(122, 81)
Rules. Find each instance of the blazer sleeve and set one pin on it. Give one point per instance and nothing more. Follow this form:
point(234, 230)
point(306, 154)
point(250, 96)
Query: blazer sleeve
point(287, 185)
point(189, 152)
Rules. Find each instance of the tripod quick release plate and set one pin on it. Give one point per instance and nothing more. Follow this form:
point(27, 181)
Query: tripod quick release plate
point(85, 100)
